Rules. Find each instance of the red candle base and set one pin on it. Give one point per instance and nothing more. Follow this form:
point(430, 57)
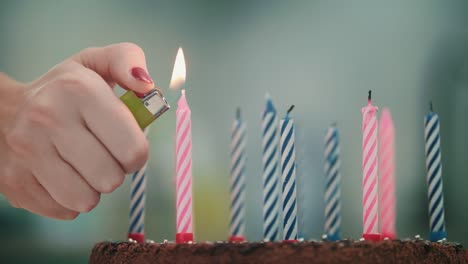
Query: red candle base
point(389, 236)
point(371, 237)
point(236, 239)
point(138, 237)
point(291, 241)
point(184, 237)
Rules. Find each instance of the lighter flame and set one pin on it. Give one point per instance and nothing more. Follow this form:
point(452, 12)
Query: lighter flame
point(178, 73)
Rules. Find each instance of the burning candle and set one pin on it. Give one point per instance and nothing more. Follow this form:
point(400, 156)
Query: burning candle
point(434, 177)
point(387, 175)
point(369, 169)
point(332, 184)
point(183, 151)
point(137, 203)
point(238, 162)
point(288, 178)
point(270, 177)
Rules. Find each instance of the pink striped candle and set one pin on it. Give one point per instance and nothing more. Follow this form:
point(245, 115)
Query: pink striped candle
point(369, 168)
point(387, 175)
point(184, 225)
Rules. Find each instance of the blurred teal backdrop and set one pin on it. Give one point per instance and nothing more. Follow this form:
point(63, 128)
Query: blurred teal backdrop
point(322, 56)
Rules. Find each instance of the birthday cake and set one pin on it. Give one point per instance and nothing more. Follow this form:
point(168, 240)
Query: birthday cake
point(378, 213)
point(344, 251)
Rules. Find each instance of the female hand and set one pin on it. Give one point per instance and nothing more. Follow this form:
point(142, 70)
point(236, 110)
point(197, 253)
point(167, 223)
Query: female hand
point(66, 138)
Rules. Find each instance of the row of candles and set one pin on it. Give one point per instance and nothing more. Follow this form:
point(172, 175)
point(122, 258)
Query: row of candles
point(280, 194)
point(378, 184)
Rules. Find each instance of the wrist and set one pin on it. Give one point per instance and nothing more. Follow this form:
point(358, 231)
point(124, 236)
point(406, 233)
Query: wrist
point(11, 95)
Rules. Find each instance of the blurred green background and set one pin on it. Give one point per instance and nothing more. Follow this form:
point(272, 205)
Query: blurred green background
point(322, 56)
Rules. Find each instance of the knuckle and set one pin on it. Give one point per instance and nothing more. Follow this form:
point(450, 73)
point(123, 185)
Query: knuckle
point(90, 203)
point(67, 66)
point(41, 113)
point(18, 142)
point(130, 47)
point(89, 50)
point(67, 215)
point(72, 84)
point(136, 156)
point(112, 184)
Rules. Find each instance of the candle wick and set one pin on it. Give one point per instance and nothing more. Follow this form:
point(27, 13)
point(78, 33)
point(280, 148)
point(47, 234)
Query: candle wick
point(369, 97)
point(290, 109)
point(238, 113)
point(430, 106)
point(334, 124)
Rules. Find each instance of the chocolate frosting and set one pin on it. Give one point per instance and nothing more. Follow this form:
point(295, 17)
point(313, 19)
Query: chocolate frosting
point(345, 251)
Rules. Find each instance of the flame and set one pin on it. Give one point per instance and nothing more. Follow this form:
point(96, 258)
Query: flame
point(178, 73)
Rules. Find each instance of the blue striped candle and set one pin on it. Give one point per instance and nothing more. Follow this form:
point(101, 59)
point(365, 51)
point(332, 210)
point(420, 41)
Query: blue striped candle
point(270, 172)
point(288, 178)
point(332, 185)
point(137, 203)
point(434, 177)
point(238, 162)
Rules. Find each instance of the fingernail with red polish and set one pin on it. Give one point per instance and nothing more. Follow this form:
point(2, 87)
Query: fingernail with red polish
point(141, 95)
point(141, 75)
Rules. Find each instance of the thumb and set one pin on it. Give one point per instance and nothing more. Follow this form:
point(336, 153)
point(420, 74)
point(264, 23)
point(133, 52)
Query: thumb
point(122, 63)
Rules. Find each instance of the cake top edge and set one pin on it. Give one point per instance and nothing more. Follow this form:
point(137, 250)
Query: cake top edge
point(339, 243)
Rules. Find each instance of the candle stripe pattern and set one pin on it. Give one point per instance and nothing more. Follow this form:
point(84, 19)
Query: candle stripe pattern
point(434, 177)
point(387, 175)
point(288, 177)
point(369, 167)
point(137, 202)
point(238, 163)
point(332, 185)
point(183, 168)
point(270, 177)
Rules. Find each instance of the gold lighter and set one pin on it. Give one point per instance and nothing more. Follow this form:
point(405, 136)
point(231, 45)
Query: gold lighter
point(146, 109)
